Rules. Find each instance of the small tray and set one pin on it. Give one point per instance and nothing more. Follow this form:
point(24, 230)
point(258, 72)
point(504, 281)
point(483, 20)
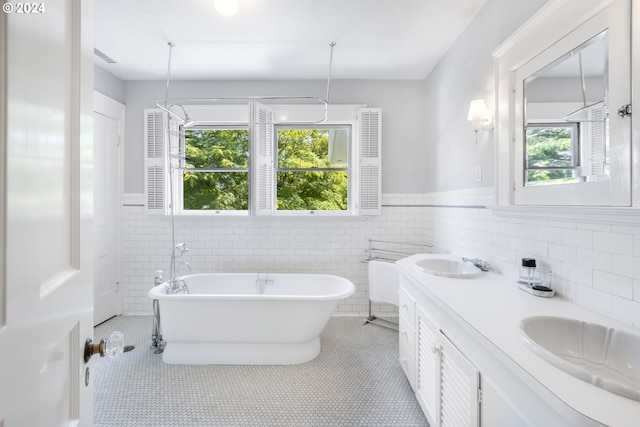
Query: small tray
point(537, 290)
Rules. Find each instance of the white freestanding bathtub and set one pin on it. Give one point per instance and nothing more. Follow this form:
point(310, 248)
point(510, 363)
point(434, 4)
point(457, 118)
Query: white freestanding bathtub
point(244, 318)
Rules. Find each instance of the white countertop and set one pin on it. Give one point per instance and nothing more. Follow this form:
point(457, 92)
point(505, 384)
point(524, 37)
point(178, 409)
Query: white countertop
point(492, 304)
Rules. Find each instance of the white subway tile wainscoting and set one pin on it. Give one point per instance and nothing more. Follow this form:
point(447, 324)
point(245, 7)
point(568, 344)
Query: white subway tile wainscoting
point(595, 263)
point(275, 244)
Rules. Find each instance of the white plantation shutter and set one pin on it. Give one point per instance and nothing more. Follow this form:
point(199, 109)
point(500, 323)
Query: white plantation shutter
point(155, 161)
point(370, 191)
point(262, 158)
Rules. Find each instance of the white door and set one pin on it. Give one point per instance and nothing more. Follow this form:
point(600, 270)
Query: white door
point(107, 122)
point(46, 210)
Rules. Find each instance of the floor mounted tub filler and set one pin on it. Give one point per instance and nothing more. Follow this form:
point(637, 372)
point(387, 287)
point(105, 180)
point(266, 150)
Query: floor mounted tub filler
point(243, 318)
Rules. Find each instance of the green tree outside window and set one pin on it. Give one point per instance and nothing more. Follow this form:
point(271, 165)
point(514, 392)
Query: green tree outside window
point(216, 175)
point(550, 155)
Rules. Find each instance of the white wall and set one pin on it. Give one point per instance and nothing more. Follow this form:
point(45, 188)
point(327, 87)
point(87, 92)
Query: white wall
point(108, 84)
point(466, 73)
point(400, 100)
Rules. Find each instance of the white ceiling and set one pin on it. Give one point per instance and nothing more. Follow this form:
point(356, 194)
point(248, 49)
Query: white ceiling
point(278, 39)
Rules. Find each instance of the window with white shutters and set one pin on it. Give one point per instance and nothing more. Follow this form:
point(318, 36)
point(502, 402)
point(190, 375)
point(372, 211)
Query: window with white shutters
point(265, 167)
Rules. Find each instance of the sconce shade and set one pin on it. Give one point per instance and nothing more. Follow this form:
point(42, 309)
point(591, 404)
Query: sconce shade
point(477, 110)
point(226, 7)
point(479, 115)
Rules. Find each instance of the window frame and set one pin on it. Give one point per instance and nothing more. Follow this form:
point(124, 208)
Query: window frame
point(179, 173)
point(349, 169)
point(162, 153)
point(576, 163)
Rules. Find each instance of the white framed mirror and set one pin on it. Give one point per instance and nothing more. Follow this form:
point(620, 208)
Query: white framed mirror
point(560, 81)
point(566, 117)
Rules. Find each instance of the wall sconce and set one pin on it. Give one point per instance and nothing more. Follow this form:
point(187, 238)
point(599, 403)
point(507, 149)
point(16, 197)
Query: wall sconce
point(226, 7)
point(479, 116)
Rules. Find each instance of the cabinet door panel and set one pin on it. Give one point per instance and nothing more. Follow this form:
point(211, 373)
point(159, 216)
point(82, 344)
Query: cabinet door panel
point(407, 362)
point(407, 306)
point(460, 382)
point(428, 367)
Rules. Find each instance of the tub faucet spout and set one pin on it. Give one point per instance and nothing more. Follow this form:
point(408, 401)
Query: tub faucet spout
point(185, 265)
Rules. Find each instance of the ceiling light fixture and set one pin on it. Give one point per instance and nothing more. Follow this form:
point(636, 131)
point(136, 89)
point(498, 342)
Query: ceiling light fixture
point(226, 8)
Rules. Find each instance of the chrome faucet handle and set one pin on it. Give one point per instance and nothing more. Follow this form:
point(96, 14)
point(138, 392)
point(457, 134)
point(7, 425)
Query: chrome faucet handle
point(482, 265)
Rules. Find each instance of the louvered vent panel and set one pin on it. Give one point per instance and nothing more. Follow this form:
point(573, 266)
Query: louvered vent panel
point(427, 376)
point(155, 187)
point(598, 143)
point(155, 135)
point(370, 129)
point(155, 156)
point(266, 137)
point(459, 384)
point(455, 410)
point(262, 145)
point(370, 122)
point(265, 174)
point(370, 176)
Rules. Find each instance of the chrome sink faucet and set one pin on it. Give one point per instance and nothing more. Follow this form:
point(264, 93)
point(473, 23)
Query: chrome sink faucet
point(482, 265)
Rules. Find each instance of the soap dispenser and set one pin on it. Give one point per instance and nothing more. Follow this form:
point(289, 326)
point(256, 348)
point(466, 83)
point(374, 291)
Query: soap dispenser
point(534, 280)
point(527, 272)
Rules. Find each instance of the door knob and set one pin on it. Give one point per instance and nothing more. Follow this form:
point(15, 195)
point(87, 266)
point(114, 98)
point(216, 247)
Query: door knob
point(111, 347)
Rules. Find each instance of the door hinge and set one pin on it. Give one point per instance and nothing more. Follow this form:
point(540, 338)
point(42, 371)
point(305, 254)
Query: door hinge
point(479, 395)
point(625, 110)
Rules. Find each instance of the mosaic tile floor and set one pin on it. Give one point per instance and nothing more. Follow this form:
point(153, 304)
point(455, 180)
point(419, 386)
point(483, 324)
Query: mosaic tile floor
point(355, 381)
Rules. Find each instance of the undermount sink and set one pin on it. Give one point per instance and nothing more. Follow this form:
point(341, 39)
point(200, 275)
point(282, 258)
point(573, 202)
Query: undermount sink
point(605, 357)
point(448, 267)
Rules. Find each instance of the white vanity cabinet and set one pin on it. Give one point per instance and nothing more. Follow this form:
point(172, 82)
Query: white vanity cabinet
point(460, 377)
point(446, 384)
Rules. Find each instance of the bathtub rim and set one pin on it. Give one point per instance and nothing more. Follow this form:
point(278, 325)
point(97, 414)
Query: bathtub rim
point(158, 292)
